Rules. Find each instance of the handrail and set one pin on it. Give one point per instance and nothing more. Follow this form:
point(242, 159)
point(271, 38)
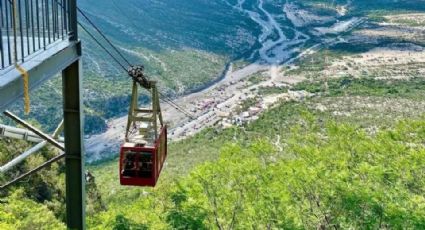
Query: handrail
point(38, 24)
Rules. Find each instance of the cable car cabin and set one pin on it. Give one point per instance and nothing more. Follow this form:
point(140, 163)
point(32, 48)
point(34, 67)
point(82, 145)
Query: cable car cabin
point(144, 150)
point(140, 165)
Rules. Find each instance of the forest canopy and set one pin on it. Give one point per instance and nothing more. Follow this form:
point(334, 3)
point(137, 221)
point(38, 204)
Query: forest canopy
point(327, 175)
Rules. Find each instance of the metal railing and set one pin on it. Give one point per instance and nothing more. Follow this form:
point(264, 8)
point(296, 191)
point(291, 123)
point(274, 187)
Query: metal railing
point(28, 26)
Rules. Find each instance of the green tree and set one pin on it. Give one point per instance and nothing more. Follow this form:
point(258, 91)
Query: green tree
point(333, 176)
point(19, 212)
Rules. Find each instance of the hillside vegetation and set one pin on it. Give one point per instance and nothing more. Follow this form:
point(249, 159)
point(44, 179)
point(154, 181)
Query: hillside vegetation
point(350, 155)
point(297, 167)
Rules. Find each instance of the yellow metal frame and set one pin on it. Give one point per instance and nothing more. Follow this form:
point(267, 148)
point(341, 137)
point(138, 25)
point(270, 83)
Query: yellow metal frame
point(138, 115)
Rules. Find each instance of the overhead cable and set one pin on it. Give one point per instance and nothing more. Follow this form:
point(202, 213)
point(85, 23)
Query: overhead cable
point(103, 36)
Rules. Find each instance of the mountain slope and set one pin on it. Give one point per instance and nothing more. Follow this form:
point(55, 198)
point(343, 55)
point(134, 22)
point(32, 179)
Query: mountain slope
point(272, 171)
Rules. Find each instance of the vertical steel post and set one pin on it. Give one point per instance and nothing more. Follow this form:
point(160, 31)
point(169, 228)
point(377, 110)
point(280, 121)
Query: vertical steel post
point(73, 24)
point(74, 158)
point(73, 133)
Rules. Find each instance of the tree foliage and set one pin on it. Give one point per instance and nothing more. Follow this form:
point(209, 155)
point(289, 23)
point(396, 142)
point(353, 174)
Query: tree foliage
point(19, 212)
point(335, 176)
point(294, 168)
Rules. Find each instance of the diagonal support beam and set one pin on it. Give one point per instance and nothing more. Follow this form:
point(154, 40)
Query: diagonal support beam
point(42, 135)
point(30, 151)
point(25, 175)
point(35, 130)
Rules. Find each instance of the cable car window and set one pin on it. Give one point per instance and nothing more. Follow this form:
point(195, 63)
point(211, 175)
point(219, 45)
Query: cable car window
point(145, 165)
point(129, 163)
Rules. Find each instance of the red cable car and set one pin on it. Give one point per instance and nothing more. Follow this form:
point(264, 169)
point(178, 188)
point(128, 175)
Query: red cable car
point(141, 164)
point(144, 151)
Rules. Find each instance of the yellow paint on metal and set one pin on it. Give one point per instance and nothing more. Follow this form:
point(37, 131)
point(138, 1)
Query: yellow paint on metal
point(21, 70)
point(25, 77)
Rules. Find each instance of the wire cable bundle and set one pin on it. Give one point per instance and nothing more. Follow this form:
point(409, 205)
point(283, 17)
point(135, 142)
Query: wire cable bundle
point(164, 98)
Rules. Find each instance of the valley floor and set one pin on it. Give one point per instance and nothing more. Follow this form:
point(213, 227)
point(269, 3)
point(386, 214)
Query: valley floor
point(223, 101)
point(248, 89)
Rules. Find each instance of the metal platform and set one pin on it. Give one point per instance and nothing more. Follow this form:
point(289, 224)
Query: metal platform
point(36, 36)
point(40, 66)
